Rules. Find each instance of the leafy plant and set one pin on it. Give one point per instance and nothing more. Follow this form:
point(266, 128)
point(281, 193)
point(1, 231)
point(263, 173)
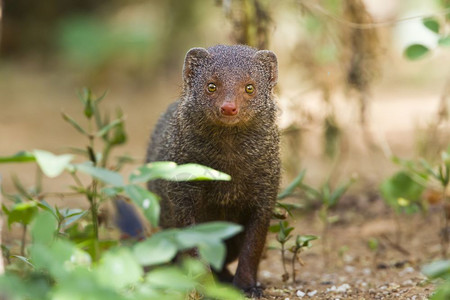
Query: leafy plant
point(328, 198)
point(403, 191)
point(435, 25)
point(439, 270)
point(282, 209)
point(302, 242)
point(283, 231)
point(68, 259)
point(283, 235)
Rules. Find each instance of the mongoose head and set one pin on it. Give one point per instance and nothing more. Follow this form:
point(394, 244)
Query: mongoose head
point(230, 85)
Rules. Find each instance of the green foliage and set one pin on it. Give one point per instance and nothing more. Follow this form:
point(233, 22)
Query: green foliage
point(439, 270)
point(418, 51)
point(304, 241)
point(292, 186)
point(68, 261)
point(402, 193)
point(90, 43)
point(373, 244)
point(21, 213)
point(173, 172)
point(21, 156)
point(283, 231)
point(432, 24)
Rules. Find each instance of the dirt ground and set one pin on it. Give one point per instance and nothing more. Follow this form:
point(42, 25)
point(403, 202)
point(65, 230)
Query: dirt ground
point(353, 270)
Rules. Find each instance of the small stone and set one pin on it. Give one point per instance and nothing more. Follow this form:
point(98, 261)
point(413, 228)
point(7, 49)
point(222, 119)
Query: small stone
point(367, 271)
point(300, 294)
point(406, 270)
point(343, 288)
point(349, 269)
point(312, 293)
point(408, 282)
point(331, 289)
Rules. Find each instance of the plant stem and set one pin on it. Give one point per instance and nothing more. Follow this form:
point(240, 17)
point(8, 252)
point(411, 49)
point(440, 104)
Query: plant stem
point(23, 241)
point(444, 233)
point(93, 207)
point(77, 180)
point(283, 258)
point(293, 263)
point(398, 233)
point(325, 235)
point(105, 154)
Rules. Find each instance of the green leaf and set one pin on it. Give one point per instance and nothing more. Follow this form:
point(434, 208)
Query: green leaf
point(22, 213)
point(304, 240)
point(43, 228)
point(215, 230)
point(105, 129)
point(24, 259)
point(173, 172)
point(400, 185)
point(443, 41)
point(415, 51)
point(119, 268)
point(21, 156)
point(72, 215)
point(170, 278)
point(437, 269)
point(50, 164)
point(339, 192)
point(20, 188)
point(214, 253)
point(277, 227)
point(432, 24)
point(55, 258)
point(74, 124)
point(105, 175)
point(146, 201)
point(289, 206)
point(294, 184)
point(373, 244)
point(216, 290)
point(428, 168)
point(158, 249)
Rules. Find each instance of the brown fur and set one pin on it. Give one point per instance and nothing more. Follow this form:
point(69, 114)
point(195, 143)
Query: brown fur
point(245, 146)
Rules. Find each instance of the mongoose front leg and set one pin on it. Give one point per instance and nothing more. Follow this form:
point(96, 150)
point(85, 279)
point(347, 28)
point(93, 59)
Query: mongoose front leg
point(251, 250)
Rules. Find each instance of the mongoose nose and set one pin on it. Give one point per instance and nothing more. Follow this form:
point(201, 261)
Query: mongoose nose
point(229, 109)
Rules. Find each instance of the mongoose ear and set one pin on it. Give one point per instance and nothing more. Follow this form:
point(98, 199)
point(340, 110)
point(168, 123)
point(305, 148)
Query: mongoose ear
point(269, 62)
point(193, 59)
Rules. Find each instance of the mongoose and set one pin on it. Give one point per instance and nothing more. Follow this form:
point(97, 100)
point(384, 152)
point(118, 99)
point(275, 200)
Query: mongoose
point(226, 120)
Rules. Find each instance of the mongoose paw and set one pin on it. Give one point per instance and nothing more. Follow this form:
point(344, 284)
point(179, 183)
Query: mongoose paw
point(254, 292)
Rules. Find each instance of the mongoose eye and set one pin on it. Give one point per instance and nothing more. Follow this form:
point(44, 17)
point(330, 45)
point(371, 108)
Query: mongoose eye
point(212, 87)
point(249, 89)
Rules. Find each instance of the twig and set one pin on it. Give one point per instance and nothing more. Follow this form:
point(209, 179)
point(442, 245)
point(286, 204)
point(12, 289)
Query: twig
point(23, 241)
point(285, 276)
point(313, 6)
point(395, 246)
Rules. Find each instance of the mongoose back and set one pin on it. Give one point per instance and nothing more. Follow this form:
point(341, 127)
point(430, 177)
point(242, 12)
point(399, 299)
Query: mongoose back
point(226, 120)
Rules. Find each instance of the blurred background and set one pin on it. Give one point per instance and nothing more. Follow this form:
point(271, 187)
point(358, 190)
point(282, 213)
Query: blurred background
point(349, 97)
